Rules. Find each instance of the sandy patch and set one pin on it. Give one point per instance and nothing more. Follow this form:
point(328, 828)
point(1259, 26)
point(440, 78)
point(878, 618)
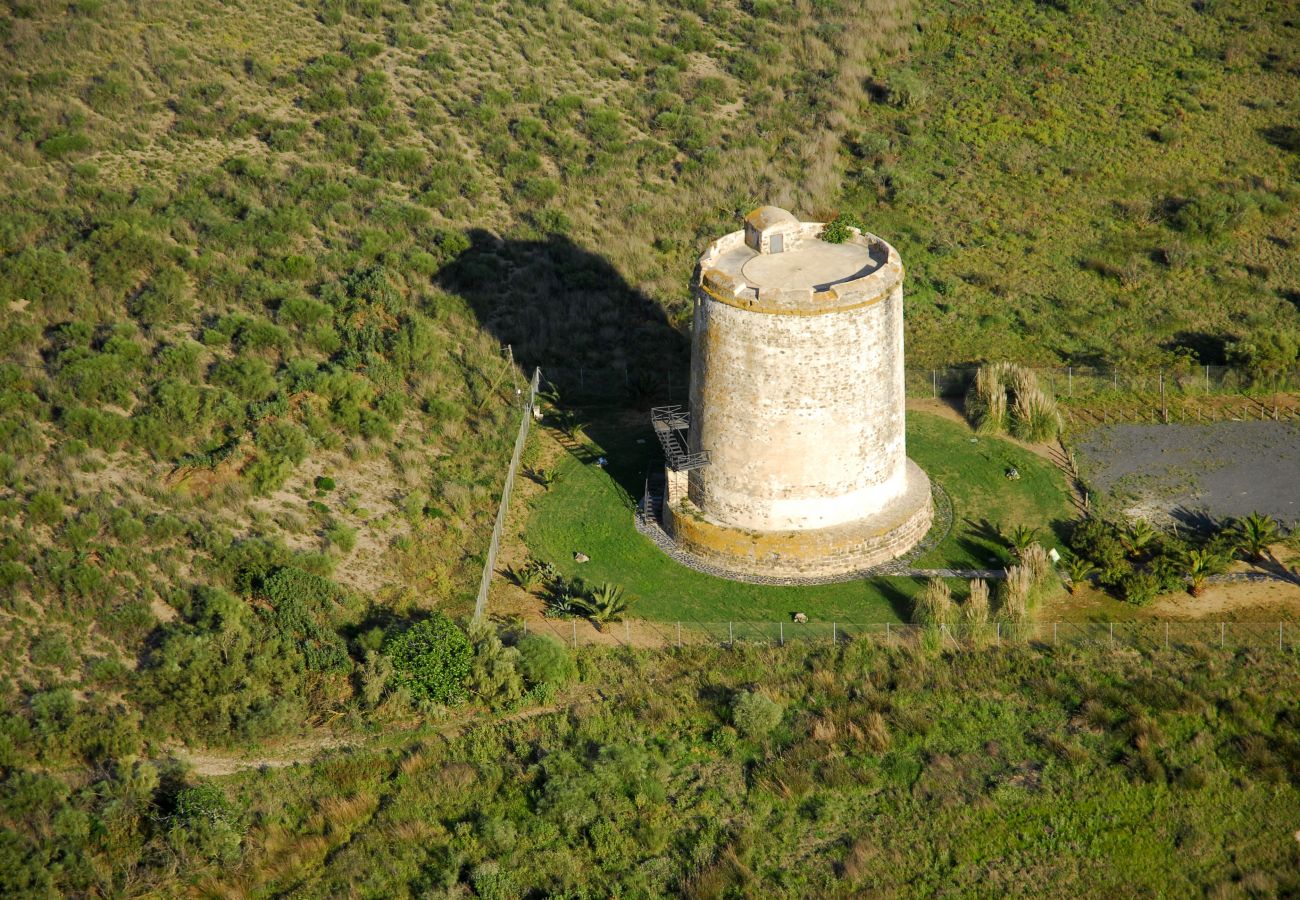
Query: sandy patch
point(1255, 601)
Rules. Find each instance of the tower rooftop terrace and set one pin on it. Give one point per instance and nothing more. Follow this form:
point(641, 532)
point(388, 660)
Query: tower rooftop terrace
point(787, 268)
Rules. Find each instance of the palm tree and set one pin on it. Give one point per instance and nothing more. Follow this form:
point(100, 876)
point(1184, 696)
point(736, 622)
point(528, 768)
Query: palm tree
point(1140, 536)
point(1078, 569)
point(1020, 537)
point(1200, 565)
point(605, 603)
point(1253, 534)
point(528, 576)
point(544, 477)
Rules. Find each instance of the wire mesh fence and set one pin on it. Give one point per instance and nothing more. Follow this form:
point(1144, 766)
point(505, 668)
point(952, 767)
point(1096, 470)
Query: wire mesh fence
point(1143, 636)
point(494, 545)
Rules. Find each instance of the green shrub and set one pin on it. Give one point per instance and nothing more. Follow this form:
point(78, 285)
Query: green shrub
point(295, 618)
point(302, 594)
point(204, 823)
point(840, 229)
point(1266, 356)
point(324, 483)
point(906, 89)
point(755, 714)
point(102, 430)
point(1209, 216)
point(281, 447)
point(63, 144)
point(45, 276)
point(164, 299)
point(1139, 588)
point(431, 659)
point(494, 676)
point(45, 508)
point(545, 661)
point(247, 377)
point(52, 648)
point(342, 535)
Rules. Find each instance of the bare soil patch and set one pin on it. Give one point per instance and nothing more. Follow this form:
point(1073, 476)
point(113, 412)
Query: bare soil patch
point(1258, 601)
point(1182, 473)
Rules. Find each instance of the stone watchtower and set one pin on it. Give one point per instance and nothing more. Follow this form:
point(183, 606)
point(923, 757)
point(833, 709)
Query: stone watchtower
point(792, 462)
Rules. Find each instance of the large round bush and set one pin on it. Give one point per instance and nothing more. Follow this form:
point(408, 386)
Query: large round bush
point(755, 714)
point(431, 658)
point(544, 660)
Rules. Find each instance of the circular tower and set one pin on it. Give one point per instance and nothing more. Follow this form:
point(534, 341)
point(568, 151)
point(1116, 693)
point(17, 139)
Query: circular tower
point(795, 455)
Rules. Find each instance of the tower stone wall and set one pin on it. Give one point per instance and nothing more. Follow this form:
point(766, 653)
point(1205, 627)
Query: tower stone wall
point(797, 397)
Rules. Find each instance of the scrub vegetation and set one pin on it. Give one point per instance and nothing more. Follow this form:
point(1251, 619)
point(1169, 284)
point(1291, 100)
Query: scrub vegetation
point(792, 772)
point(258, 263)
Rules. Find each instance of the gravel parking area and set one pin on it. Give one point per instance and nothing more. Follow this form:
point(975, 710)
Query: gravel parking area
point(1185, 472)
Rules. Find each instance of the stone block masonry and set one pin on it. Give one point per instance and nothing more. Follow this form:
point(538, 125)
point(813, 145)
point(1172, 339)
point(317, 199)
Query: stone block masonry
point(797, 397)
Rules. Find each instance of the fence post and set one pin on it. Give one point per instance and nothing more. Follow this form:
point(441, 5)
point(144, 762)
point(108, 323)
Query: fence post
point(1112, 633)
point(835, 634)
point(780, 626)
point(731, 634)
point(999, 632)
point(1207, 379)
point(525, 628)
point(1054, 624)
point(627, 632)
point(934, 383)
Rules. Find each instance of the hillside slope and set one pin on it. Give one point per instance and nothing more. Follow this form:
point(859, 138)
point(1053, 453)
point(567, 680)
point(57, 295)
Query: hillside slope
point(260, 262)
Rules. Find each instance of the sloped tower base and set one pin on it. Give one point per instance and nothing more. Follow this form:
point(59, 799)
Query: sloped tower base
point(816, 553)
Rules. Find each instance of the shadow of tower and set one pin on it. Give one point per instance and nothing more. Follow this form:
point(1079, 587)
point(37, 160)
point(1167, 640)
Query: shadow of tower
point(568, 310)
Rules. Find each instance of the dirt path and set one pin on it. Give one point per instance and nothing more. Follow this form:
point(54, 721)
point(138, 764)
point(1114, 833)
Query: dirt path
point(305, 750)
point(216, 763)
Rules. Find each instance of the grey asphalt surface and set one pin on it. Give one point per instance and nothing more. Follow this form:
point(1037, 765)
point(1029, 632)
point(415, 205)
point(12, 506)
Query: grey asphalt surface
point(1223, 470)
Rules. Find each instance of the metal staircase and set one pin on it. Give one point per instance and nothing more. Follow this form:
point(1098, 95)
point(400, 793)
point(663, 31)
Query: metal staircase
point(671, 424)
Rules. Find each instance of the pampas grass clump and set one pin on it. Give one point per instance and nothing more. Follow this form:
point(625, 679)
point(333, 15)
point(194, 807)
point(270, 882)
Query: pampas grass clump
point(933, 606)
point(1006, 397)
point(986, 402)
point(1014, 595)
point(976, 608)
point(1035, 559)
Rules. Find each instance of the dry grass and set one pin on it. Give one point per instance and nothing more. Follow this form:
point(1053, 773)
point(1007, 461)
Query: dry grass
point(1006, 397)
point(1015, 594)
point(975, 611)
point(933, 605)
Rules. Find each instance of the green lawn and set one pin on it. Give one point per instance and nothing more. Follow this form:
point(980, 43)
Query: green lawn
point(589, 509)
